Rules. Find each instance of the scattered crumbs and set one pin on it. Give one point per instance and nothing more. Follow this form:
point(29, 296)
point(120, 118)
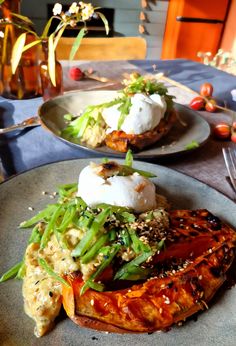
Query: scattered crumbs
point(30, 208)
point(44, 193)
point(51, 196)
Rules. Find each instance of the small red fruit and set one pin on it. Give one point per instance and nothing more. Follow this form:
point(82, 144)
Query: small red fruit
point(75, 73)
point(197, 103)
point(233, 137)
point(222, 131)
point(206, 89)
point(211, 106)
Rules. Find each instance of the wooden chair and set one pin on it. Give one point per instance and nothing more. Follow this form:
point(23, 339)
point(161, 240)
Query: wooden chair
point(108, 48)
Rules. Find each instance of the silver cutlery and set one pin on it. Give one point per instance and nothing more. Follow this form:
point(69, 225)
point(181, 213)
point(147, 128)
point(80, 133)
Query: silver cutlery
point(30, 122)
point(230, 162)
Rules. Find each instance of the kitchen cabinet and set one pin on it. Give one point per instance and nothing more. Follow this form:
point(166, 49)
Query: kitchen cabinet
point(193, 26)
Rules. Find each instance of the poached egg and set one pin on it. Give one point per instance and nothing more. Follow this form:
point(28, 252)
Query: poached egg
point(132, 191)
point(145, 114)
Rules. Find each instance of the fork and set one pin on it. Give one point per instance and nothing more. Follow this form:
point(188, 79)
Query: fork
point(30, 122)
point(230, 162)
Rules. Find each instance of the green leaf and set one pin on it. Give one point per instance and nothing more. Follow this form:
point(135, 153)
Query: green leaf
point(51, 60)
point(30, 45)
point(47, 27)
point(192, 145)
point(17, 51)
point(103, 18)
point(76, 43)
point(24, 18)
point(59, 35)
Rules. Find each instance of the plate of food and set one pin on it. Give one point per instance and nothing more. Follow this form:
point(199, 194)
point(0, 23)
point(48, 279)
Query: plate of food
point(126, 250)
point(142, 117)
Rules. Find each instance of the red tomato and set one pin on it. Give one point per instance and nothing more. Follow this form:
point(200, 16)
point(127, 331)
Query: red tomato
point(206, 89)
point(75, 73)
point(211, 106)
point(197, 103)
point(222, 131)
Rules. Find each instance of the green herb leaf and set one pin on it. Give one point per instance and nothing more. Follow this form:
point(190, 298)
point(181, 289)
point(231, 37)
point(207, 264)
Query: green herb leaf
point(192, 145)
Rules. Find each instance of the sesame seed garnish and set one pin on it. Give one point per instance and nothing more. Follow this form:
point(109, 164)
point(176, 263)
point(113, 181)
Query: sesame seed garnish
point(30, 208)
point(92, 302)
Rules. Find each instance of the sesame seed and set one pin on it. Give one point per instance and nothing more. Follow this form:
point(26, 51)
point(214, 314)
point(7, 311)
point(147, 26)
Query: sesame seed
point(92, 302)
point(200, 277)
point(160, 310)
point(30, 208)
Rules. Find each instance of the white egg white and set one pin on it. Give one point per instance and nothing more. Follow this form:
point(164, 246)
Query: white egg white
point(145, 114)
point(133, 191)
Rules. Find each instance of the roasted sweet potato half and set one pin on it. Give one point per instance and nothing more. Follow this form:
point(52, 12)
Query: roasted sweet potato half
point(199, 252)
point(121, 141)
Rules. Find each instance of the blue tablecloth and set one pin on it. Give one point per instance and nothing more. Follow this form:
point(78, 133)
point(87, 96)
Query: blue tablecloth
point(23, 150)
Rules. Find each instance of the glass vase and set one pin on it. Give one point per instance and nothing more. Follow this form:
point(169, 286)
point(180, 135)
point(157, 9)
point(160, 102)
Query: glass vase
point(25, 82)
point(48, 89)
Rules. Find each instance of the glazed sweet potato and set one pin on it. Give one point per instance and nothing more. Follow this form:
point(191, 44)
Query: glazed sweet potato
point(199, 251)
point(121, 141)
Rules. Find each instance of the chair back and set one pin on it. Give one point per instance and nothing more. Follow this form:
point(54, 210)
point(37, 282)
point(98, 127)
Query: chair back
point(103, 48)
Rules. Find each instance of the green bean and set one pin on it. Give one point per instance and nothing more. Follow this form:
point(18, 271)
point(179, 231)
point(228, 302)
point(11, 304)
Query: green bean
point(129, 267)
point(49, 228)
point(67, 219)
point(127, 170)
point(90, 254)
point(85, 242)
point(50, 272)
point(35, 235)
point(46, 213)
point(107, 260)
point(129, 158)
point(12, 272)
point(21, 271)
point(137, 245)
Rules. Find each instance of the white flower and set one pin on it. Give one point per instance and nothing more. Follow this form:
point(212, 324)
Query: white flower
point(74, 8)
point(1, 34)
point(57, 9)
point(87, 11)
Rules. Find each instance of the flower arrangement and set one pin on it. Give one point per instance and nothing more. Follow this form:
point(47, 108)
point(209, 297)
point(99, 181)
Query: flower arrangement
point(78, 12)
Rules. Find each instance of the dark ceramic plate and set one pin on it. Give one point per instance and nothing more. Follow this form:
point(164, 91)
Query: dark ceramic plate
point(215, 326)
point(52, 117)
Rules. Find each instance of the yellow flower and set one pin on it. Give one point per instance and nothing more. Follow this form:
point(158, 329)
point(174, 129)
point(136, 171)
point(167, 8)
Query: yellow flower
point(74, 8)
point(87, 11)
point(57, 9)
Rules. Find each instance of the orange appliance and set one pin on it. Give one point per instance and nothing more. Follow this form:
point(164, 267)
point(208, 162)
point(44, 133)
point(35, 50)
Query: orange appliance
point(193, 26)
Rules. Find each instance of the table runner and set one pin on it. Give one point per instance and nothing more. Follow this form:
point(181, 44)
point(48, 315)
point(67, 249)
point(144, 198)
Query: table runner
point(20, 151)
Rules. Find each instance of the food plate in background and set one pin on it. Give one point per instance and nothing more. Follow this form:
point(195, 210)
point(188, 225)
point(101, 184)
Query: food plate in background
point(215, 326)
point(175, 142)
